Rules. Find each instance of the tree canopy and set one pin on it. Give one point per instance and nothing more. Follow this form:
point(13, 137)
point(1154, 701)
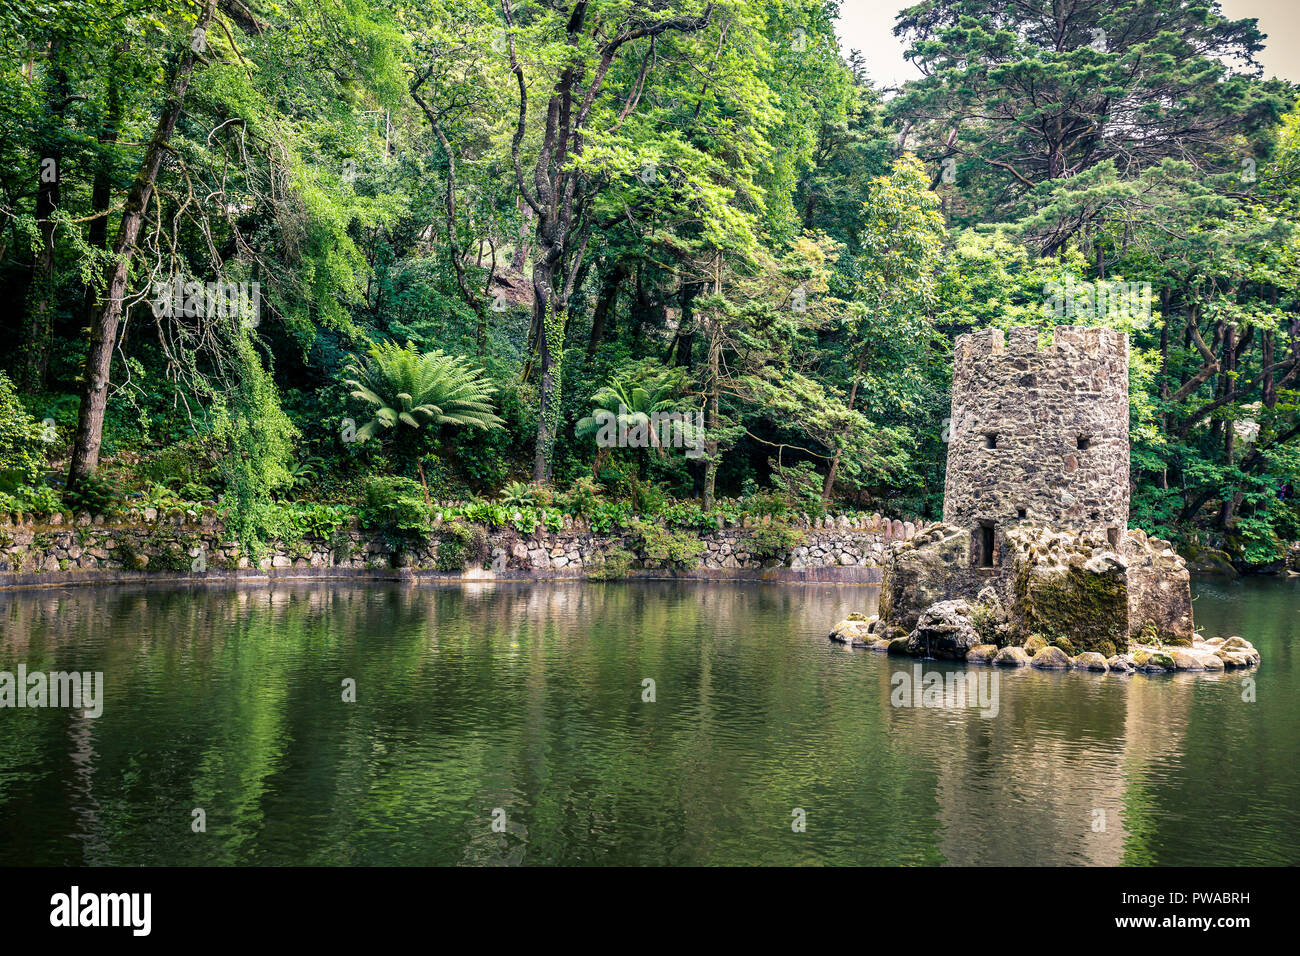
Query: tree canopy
point(229, 227)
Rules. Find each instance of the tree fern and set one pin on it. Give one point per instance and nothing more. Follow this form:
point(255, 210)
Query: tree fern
point(406, 387)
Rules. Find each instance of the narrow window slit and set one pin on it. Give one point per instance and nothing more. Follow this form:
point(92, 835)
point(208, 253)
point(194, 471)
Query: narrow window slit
point(985, 543)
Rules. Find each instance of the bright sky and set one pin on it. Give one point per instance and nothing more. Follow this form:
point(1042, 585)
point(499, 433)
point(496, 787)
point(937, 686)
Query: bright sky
point(868, 25)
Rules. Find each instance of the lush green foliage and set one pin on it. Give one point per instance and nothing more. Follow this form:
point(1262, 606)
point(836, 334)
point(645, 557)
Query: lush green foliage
point(22, 457)
point(696, 211)
point(409, 388)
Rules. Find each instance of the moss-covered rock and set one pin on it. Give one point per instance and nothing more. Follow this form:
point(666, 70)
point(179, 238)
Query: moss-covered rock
point(856, 632)
point(1066, 645)
point(932, 566)
point(1011, 657)
point(1084, 602)
point(1234, 658)
point(1035, 644)
point(1090, 661)
point(1185, 660)
point(1050, 658)
point(1156, 661)
point(1208, 561)
point(1059, 583)
point(1212, 662)
point(1119, 665)
point(982, 654)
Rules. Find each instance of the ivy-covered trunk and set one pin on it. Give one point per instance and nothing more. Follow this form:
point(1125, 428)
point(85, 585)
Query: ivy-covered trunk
point(549, 314)
point(713, 384)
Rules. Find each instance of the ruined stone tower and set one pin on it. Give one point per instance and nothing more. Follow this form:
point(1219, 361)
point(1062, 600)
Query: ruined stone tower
point(1038, 435)
point(1035, 530)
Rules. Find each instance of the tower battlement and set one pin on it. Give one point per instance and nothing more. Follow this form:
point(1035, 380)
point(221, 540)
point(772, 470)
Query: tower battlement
point(1068, 342)
point(1039, 434)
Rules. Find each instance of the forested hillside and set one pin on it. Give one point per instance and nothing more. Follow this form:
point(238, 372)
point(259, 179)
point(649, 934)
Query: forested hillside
point(304, 259)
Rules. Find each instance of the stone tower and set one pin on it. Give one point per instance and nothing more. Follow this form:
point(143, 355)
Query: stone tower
point(1035, 535)
point(1038, 435)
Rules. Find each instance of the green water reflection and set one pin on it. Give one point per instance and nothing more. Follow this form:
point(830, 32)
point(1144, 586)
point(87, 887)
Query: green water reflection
point(528, 698)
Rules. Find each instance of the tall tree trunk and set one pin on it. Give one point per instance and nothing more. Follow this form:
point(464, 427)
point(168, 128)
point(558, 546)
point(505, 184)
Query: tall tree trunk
point(101, 191)
point(684, 341)
point(835, 462)
point(711, 414)
point(641, 306)
point(558, 193)
point(456, 254)
point(549, 318)
point(520, 257)
point(103, 331)
point(711, 424)
point(606, 305)
point(1270, 383)
point(1166, 295)
point(40, 325)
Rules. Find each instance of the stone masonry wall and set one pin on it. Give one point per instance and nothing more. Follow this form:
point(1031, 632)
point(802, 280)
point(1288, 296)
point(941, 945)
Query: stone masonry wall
point(1039, 435)
point(184, 543)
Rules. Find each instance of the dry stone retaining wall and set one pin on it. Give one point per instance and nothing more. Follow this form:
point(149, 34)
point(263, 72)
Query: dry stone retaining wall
point(82, 549)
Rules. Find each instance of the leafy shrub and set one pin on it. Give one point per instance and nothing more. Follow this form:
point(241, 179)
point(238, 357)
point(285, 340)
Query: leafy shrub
point(689, 514)
point(22, 445)
point(519, 494)
point(97, 494)
point(452, 555)
point(675, 548)
point(129, 556)
point(401, 385)
point(394, 506)
point(609, 515)
point(985, 621)
point(525, 519)
point(39, 500)
point(312, 520)
point(461, 546)
point(187, 462)
point(773, 540)
point(1253, 543)
point(582, 498)
point(484, 512)
point(256, 440)
point(799, 485)
point(171, 556)
point(650, 498)
point(614, 565)
point(765, 503)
